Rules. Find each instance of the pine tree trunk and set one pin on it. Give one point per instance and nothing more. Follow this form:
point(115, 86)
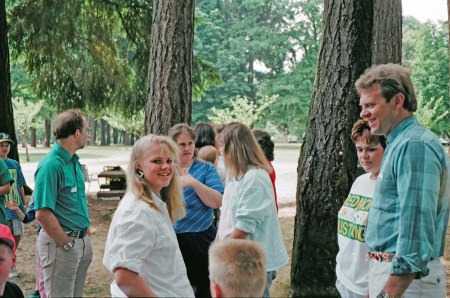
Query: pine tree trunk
point(24, 144)
point(102, 132)
point(169, 89)
point(6, 110)
point(327, 164)
point(108, 134)
point(126, 139)
point(115, 136)
point(33, 137)
point(94, 131)
point(131, 139)
point(387, 32)
point(48, 129)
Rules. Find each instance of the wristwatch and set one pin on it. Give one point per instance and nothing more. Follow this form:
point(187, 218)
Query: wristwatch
point(69, 245)
point(384, 295)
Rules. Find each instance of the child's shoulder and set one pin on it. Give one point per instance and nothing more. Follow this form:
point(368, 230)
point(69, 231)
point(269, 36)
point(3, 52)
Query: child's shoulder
point(11, 163)
point(12, 290)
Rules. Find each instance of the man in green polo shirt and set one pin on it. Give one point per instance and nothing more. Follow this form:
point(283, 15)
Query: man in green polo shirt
point(5, 188)
point(61, 208)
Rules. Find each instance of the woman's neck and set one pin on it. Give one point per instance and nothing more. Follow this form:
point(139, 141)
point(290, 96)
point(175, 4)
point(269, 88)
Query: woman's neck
point(187, 166)
point(374, 176)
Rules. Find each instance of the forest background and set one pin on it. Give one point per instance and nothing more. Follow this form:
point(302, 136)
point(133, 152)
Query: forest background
point(254, 61)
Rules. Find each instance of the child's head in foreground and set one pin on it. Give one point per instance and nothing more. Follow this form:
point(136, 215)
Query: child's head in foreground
point(209, 153)
point(237, 268)
point(7, 253)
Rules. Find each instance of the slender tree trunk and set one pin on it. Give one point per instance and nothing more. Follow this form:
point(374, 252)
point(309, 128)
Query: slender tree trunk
point(48, 129)
point(327, 164)
point(25, 144)
point(6, 110)
point(102, 132)
point(169, 89)
point(108, 134)
point(126, 139)
point(33, 137)
point(115, 136)
point(94, 131)
point(131, 139)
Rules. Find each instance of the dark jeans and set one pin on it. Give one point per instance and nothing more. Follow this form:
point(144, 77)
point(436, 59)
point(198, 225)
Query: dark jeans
point(194, 248)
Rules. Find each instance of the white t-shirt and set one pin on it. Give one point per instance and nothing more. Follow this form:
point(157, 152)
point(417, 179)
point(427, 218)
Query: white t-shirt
point(352, 260)
point(142, 240)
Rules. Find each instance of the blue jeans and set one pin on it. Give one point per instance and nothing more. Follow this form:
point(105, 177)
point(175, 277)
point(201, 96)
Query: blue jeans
point(271, 275)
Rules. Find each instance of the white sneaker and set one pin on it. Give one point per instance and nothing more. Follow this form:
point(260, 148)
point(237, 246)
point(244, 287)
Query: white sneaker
point(12, 272)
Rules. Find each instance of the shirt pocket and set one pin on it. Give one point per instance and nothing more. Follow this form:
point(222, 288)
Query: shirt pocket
point(387, 194)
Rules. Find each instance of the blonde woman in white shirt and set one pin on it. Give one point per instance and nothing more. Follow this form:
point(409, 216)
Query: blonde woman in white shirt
point(142, 249)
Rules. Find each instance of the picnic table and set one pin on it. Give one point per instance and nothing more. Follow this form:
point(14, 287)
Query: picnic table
point(115, 185)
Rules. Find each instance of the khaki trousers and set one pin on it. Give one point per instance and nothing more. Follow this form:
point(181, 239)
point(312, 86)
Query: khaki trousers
point(430, 286)
point(64, 271)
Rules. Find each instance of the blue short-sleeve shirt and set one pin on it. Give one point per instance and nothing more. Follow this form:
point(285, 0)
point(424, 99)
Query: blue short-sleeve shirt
point(16, 172)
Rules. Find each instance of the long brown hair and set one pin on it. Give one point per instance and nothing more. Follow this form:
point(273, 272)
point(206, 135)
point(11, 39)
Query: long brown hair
point(172, 195)
point(241, 150)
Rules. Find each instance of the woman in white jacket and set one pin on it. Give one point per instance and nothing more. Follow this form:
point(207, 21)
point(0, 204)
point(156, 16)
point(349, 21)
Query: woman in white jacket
point(142, 249)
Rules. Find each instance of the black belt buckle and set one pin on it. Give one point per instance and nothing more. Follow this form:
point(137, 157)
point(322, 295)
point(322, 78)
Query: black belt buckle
point(77, 234)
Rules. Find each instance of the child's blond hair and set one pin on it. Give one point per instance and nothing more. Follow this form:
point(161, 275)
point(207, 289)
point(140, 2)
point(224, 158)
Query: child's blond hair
point(238, 267)
point(208, 153)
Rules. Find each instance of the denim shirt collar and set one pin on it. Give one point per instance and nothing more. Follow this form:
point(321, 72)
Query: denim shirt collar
point(400, 127)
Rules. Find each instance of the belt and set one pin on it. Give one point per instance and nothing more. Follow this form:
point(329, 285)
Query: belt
point(77, 234)
point(382, 256)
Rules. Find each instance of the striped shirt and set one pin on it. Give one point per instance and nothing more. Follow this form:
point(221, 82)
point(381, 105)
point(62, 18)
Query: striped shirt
point(409, 212)
point(198, 215)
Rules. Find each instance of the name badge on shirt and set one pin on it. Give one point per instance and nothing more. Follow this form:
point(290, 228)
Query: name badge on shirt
point(73, 189)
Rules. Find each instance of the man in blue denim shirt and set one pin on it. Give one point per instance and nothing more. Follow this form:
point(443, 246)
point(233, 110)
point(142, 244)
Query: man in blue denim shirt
point(408, 219)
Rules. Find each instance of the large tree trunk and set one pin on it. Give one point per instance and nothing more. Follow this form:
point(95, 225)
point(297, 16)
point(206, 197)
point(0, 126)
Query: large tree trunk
point(387, 32)
point(169, 91)
point(33, 137)
point(6, 110)
point(327, 164)
point(48, 129)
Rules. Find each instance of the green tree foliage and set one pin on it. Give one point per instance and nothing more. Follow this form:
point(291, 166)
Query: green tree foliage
point(261, 48)
point(425, 52)
point(242, 110)
point(26, 117)
point(92, 54)
point(428, 114)
point(133, 124)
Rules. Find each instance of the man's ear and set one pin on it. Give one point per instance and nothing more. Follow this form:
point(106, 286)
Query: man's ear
point(13, 264)
point(216, 291)
point(399, 100)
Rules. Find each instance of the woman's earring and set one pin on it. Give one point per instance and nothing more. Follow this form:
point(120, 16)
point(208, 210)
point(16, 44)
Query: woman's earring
point(139, 173)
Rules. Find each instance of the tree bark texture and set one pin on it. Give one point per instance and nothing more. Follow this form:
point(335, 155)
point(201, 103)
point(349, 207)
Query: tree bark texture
point(126, 139)
point(169, 89)
point(48, 131)
point(33, 137)
point(387, 32)
point(327, 164)
point(131, 139)
point(6, 110)
point(93, 131)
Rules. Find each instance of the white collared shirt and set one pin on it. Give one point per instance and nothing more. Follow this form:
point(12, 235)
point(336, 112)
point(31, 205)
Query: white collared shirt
point(142, 240)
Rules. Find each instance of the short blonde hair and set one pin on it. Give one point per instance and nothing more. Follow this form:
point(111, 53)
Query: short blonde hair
point(238, 267)
point(172, 195)
point(393, 79)
point(241, 150)
point(208, 153)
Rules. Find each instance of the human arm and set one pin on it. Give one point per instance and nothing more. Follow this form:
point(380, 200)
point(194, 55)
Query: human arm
point(5, 189)
point(51, 226)
point(15, 207)
point(131, 284)
point(397, 284)
point(238, 234)
point(420, 193)
point(209, 192)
